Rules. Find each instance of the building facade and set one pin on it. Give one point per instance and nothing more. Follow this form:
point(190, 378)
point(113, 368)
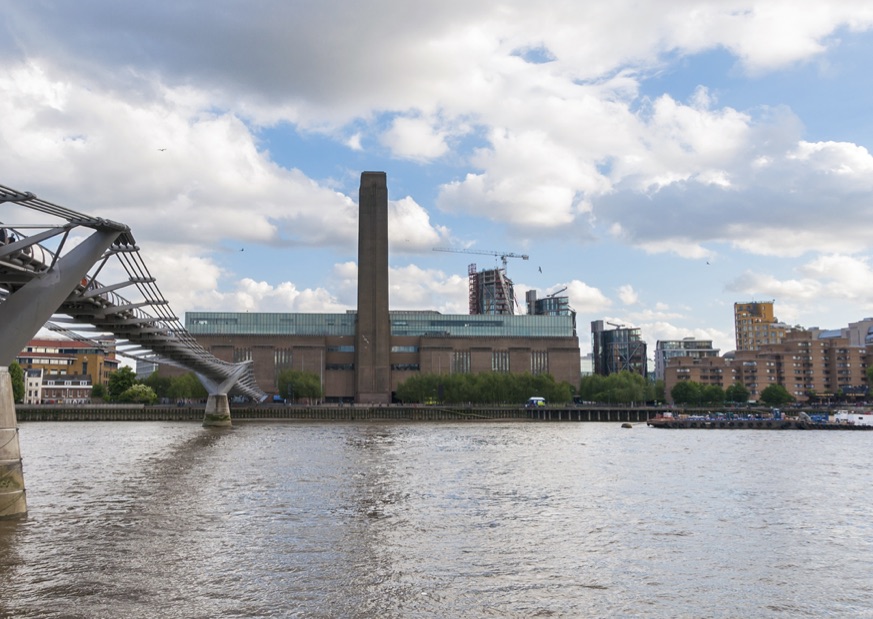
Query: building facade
point(490, 292)
point(806, 364)
point(427, 342)
point(69, 357)
point(687, 347)
point(364, 355)
point(66, 389)
point(756, 326)
point(618, 349)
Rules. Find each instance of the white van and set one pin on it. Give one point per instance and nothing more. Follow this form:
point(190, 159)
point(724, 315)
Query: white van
point(535, 402)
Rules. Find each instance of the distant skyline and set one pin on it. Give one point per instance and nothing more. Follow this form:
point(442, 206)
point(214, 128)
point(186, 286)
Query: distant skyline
point(660, 160)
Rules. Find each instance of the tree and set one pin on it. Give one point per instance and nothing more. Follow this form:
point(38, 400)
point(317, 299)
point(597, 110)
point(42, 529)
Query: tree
point(711, 394)
point(99, 392)
point(138, 393)
point(660, 391)
point(482, 388)
point(159, 384)
point(120, 381)
point(776, 395)
point(186, 387)
point(621, 387)
point(737, 393)
point(297, 384)
point(686, 392)
point(16, 374)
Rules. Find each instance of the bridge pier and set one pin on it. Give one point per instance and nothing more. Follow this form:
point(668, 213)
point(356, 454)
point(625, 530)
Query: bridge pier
point(217, 413)
point(13, 503)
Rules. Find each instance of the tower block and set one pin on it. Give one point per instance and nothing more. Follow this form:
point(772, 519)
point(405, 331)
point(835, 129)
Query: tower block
point(373, 332)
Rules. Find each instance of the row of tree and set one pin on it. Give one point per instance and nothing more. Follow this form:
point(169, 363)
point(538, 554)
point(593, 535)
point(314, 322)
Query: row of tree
point(484, 388)
point(620, 388)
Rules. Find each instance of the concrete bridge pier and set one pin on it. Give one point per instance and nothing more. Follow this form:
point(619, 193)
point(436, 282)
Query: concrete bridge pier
point(217, 413)
point(13, 502)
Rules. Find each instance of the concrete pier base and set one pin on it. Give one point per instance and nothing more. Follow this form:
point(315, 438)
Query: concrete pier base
point(217, 413)
point(13, 502)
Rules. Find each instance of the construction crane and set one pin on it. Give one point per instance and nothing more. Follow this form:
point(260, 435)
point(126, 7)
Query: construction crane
point(556, 293)
point(503, 255)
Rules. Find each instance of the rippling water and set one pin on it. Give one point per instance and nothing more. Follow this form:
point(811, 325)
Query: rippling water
point(438, 520)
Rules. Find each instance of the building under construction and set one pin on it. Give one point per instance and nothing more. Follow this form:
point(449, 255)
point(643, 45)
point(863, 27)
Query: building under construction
point(491, 292)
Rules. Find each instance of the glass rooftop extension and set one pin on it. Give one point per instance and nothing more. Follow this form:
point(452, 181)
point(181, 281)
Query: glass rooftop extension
point(415, 324)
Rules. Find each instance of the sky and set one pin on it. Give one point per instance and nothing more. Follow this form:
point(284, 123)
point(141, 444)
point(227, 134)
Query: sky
point(657, 161)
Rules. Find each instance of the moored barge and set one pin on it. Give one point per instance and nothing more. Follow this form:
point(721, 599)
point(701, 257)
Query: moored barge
point(801, 422)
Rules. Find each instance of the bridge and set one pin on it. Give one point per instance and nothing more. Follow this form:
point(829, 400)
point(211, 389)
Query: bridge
point(62, 269)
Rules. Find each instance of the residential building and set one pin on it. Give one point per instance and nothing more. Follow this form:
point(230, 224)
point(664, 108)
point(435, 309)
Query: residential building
point(33, 386)
point(756, 325)
point(687, 347)
point(807, 363)
point(66, 389)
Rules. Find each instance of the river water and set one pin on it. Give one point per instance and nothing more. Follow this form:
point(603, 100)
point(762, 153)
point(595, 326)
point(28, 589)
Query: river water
point(438, 520)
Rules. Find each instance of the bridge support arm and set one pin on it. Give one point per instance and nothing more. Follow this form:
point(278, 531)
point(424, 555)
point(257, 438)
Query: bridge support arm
point(27, 309)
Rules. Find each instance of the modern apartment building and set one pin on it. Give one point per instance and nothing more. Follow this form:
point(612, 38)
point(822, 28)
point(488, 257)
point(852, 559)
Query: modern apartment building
point(804, 362)
point(756, 325)
point(687, 347)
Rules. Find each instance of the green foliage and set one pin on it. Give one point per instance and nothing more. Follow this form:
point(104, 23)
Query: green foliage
point(99, 392)
point(775, 395)
point(660, 391)
point(711, 394)
point(737, 393)
point(139, 393)
point(159, 384)
point(120, 381)
point(483, 388)
point(17, 376)
point(186, 387)
point(620, 388)
point(686, 392)
point(296, 384)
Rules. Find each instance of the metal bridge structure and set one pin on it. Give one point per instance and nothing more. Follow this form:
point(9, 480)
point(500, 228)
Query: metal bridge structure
point(76, 274)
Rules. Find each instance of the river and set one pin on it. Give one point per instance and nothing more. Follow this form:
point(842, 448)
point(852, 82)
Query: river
point(407, 520)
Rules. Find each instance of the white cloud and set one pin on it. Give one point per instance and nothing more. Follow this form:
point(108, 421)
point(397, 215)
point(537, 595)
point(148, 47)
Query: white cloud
point(413, 288)
point(628, 295)
point(415, 138)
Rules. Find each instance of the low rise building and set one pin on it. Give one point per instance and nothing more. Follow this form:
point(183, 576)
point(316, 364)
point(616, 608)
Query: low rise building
point(66, 389)
point(71, 357)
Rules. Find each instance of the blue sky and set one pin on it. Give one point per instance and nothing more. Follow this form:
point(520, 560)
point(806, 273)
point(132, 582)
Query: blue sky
point(660, 160)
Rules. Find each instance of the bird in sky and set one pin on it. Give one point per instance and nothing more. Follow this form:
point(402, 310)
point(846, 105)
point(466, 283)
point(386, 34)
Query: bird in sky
point(162, 149)
point(541, 269)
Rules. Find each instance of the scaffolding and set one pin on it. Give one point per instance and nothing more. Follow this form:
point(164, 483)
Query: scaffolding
point(490, 292)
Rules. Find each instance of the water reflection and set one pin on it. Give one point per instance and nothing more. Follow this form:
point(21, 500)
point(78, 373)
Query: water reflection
point(426, 520)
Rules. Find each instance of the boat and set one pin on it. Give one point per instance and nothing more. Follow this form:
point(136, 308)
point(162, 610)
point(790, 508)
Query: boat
point(728, 421)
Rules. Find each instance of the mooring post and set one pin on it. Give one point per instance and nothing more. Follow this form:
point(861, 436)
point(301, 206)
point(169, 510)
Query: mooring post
point(13, 503)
